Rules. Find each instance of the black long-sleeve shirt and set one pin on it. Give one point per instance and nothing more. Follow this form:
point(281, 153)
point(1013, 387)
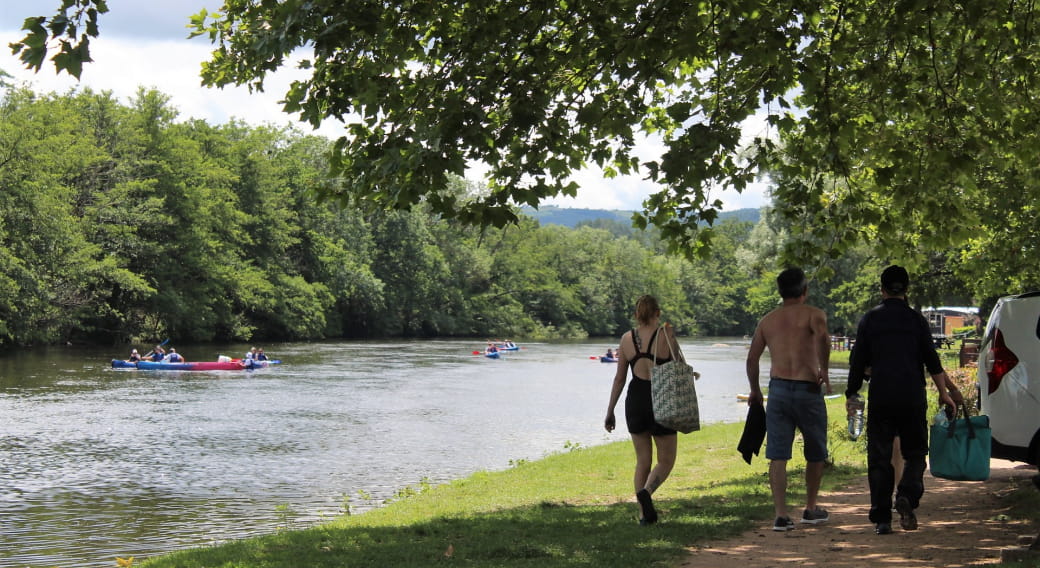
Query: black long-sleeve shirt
point(895, 342)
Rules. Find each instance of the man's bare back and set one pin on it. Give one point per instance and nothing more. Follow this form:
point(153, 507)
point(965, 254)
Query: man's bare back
point(797, 339)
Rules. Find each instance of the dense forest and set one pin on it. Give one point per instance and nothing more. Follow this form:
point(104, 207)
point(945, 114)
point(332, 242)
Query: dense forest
point(121, 221)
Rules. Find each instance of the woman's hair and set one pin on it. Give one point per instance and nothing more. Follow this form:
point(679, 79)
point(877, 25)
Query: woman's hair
point(647, 309)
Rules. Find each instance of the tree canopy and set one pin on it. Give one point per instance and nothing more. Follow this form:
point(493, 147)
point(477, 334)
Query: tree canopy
point(908, 125)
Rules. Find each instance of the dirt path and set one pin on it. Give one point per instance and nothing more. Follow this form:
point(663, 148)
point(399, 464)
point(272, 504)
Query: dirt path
point(961, 524)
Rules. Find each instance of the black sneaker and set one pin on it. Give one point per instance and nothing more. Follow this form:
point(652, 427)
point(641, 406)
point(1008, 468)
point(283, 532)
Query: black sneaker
point(783, 524)
point(883, 528)
point(907, 518)
point(815, 517)
point(649, 513)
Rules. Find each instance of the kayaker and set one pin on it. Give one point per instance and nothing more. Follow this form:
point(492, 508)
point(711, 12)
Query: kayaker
point(175, 357)
point(610, 353)
point(134, 356)
point(157, 354)
point(251, 354)
point(491, 348)
point(260, 355)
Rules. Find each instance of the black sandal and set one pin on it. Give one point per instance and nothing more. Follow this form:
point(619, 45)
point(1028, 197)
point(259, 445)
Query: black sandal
point(649, 513)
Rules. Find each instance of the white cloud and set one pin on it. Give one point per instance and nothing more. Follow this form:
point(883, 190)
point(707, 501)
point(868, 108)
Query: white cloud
point(628, 192)
point(144, 44)
point(126, 57)
point(123, 65)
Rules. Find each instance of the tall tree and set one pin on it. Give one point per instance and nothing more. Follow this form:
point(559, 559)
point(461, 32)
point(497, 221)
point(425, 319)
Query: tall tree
point(414, 271)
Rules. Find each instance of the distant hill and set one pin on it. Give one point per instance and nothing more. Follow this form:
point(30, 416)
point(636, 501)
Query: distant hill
point(568, 217)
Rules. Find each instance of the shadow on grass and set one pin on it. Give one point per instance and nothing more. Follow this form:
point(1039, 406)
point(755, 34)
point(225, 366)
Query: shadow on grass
point(544, 535)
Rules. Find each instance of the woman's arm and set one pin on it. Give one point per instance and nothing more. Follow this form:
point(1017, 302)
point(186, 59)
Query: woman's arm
point(620, 374)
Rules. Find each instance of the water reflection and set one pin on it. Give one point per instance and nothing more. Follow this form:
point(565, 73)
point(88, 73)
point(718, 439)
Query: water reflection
point(97, 463)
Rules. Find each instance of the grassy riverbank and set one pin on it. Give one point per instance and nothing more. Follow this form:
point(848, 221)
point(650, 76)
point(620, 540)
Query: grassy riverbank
point(572, 508)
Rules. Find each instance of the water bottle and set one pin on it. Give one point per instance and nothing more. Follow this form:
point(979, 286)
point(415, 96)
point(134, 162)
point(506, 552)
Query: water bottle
point(856, 417)
point(940, 418)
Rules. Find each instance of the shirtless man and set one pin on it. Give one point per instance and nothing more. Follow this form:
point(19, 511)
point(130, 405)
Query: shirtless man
point(799, 350)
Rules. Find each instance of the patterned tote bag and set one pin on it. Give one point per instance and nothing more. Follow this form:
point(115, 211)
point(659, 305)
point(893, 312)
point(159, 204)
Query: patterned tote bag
point(674, 393)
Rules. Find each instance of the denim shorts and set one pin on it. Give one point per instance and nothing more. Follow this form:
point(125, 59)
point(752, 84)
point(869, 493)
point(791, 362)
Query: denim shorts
point(795, 404)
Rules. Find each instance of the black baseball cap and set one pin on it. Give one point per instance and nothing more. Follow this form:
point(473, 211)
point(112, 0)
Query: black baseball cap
point(895, 279)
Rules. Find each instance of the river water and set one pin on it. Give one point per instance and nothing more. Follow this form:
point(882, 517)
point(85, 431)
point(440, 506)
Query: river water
point(97, 463)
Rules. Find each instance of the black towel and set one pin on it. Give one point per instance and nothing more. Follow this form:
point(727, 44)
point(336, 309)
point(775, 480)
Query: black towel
point(754, 432)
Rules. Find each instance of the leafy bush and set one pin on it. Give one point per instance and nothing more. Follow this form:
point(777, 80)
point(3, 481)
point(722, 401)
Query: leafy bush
point(965, 331)
point(966, 380)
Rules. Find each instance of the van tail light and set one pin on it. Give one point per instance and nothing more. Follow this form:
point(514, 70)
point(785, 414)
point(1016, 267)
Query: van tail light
point(1003, 360)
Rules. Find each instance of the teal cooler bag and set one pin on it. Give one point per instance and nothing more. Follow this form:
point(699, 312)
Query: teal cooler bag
point(960, 450)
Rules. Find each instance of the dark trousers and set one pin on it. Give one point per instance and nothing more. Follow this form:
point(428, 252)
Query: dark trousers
point(884, 423)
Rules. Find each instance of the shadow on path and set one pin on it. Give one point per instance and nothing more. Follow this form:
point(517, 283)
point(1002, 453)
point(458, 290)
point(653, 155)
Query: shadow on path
point(961, 524)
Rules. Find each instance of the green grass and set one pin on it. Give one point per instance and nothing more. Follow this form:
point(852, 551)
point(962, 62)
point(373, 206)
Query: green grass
point(574, 508)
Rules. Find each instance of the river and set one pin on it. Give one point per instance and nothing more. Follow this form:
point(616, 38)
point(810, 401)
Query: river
point(97, 462)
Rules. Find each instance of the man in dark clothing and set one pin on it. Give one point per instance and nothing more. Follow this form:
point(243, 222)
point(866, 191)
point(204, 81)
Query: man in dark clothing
point(894, 342)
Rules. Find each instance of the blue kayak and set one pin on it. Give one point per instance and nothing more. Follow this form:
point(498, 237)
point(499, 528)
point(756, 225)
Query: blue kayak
point(196, 366)
point(231, 365)
point(605, 359)
point(494, 355)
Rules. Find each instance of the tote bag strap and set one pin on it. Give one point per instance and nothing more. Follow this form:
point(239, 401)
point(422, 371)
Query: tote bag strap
point(967, 419)
point(671, 352)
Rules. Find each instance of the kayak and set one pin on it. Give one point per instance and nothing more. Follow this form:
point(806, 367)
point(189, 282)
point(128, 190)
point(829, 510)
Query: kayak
point(494, 355)
point(196, 366)
point(605, 359)
point(512, 348)
point(235, 365)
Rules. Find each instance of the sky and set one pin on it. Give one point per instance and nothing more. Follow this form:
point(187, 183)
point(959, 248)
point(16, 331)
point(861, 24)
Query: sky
point(143, 43)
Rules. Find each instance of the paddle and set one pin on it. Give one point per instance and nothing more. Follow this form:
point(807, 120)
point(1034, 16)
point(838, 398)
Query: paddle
point(165, 341)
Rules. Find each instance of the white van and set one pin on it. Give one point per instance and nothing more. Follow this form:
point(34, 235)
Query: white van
point(1009, 377)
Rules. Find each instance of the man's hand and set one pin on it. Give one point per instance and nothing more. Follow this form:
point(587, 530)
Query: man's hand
point(824, 380)
point(853, 404)
point(755, 398)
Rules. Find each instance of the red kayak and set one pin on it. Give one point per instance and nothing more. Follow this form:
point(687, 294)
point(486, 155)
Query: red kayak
point(234, 365)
